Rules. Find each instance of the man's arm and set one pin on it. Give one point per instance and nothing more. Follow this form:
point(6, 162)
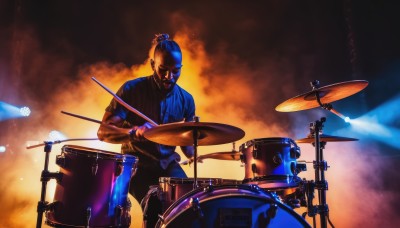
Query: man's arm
point(136, 132)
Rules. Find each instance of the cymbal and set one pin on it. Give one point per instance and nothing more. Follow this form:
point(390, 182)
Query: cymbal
point(112, 134)
point(327, 94)
point(181, 134)
point(229, 155)
point(325, 138)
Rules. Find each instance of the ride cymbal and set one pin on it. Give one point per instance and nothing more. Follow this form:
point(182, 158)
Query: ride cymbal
point(327, 94)
point(181, 134)
point(325, 138)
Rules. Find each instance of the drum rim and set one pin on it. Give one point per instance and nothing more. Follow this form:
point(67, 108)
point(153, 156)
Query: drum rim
point(182, 180)
point(94, 152)
point(254, 141)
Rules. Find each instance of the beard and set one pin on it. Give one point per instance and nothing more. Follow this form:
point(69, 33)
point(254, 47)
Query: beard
point(164, 85)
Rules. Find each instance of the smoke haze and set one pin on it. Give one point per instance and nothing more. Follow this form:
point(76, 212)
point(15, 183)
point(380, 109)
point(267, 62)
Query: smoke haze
point(237, 81)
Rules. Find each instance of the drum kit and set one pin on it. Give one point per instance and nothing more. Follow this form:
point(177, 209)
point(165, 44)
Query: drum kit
point(92, 184)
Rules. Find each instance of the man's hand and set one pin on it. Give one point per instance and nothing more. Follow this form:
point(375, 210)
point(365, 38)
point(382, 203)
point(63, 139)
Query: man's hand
point(140, 130)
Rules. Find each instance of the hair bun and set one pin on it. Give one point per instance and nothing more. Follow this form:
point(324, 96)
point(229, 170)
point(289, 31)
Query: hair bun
point(161, 37)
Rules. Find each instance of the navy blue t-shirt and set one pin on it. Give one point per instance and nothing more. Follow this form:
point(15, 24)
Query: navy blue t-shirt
point(144, 95)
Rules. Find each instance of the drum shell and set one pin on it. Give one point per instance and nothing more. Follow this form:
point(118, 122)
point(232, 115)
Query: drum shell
point(171, 189)
point(94, 186)
point(270, 162)
point(229, 206)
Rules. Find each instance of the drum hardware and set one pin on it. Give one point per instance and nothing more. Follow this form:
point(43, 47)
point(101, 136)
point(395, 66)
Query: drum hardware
point(88, 216)
point(196, 208)
point(271, 212)
point(320, 183)
point(46, 176)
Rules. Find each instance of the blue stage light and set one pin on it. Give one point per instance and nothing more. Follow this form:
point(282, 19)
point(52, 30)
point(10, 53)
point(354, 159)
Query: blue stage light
point(25, 111)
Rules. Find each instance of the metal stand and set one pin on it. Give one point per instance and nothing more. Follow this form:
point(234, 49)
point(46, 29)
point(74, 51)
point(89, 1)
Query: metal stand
point(45, 177)
point(195, 144)
point(320, 166)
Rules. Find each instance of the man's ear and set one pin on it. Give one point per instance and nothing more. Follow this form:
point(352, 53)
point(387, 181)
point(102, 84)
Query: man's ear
point(152, 64)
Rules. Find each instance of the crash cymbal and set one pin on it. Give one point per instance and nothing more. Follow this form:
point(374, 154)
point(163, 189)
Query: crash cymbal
point(181, 134)
point(326, 138)
point(327, 94)
point(112, 134)
point(229, 155)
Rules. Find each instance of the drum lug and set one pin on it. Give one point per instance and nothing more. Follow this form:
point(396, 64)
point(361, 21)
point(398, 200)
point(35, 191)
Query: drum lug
point(95, 167)
point(255, 154)
point(195, 202)
point(118, 213)
point(254, 168)
point(60, 160)
point(119, 168)
point(295, 152)
point(271, 212)
point(209, 188)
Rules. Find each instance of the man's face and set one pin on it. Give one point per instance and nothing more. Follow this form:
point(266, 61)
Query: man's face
point(167, 68)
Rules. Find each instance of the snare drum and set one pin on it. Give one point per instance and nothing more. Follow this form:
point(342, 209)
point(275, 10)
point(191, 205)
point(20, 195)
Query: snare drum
point(171, 189)
point(93, 188)
point(230, 206)
point(271, 162)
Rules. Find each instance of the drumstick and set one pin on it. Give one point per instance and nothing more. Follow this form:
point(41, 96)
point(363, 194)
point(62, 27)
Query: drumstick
point(59, 141)
point(123, 103)
point(82, 117)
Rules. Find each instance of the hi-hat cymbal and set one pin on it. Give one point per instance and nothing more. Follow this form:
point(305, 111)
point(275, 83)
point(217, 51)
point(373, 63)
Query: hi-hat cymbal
point(327, 94)
point(229, 155)
point(181, 134)
point(325, 138)
point(112, 134)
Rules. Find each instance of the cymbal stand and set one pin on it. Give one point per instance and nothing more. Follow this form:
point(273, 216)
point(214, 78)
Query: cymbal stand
point(326, 106)
point(195, 144)
point(320, 166)
point(45, 177)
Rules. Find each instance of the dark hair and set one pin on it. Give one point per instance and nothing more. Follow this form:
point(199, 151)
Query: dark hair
point(163, 43)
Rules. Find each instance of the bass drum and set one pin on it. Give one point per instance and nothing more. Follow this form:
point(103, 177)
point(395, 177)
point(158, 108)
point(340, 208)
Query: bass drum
point(230, 206)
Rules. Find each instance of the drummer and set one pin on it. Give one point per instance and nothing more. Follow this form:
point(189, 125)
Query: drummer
point(158, 97)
